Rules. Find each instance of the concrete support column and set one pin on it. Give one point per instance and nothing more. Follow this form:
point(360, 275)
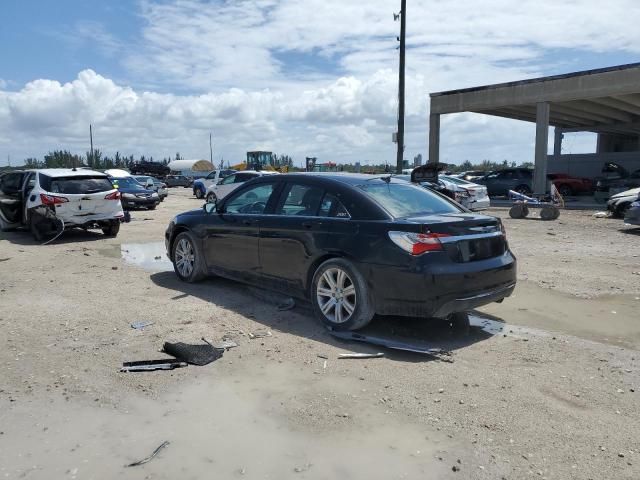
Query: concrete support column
point(434, 138)
point(542, 145)
point(557, 143)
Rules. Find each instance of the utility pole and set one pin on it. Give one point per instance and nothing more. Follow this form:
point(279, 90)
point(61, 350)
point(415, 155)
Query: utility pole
point(400, 137)
point(210, 149)
point(91, 140)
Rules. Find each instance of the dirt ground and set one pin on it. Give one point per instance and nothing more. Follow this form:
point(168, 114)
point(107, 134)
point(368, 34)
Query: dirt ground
point(544, 385)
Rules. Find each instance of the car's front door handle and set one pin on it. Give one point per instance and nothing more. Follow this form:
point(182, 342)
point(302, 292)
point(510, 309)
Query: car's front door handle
point(247, 222)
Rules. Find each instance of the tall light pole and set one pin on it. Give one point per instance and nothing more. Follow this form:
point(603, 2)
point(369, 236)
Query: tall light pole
point(91, 141)
point(400, 136)
point(210, 148)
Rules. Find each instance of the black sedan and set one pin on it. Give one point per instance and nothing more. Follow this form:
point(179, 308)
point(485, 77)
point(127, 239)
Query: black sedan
point(355, 245)
point(135, 195)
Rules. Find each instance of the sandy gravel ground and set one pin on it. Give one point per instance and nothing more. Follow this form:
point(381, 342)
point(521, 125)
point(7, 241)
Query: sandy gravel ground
point(544, 385)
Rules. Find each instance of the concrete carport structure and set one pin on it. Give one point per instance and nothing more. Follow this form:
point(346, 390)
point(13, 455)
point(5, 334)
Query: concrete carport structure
point(604, 101)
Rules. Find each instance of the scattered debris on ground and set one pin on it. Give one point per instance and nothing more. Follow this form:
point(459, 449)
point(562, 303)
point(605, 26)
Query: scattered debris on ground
point(141, 325)
point(288, 304)
point(224, 344)
point(360, 355)
point(396, 344)
point(150, 457)
point(151, 365)
point(259, 334)
point(194, 354)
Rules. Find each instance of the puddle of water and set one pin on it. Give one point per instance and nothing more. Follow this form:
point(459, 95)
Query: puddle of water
point(487, 325)
point(149, 256)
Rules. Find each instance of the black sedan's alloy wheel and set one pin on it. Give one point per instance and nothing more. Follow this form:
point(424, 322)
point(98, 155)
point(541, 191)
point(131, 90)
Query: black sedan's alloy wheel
point(186, 258)
point(340, 295)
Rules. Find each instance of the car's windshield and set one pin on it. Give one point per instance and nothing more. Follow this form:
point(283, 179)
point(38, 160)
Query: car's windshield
point(127, 182)
point(404, 200)
point(77, 185)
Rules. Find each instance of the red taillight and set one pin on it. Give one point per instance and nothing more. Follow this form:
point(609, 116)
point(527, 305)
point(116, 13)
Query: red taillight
point(52, 200)
point(113, 196)
point(418, 243)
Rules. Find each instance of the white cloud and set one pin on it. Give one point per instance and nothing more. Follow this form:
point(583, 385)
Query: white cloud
point(309, 78)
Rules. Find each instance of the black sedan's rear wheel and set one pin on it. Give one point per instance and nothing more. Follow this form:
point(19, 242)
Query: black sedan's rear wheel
point(340, 295)
point(187, 258)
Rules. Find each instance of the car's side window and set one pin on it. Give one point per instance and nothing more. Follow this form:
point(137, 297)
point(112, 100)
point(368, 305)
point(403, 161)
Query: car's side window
point(331, 206)
point(303, 200)
point(242, 177)
point(251, 201)
point(10, 183)
point(228, 180)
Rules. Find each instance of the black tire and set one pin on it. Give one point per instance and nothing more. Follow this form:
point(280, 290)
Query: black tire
point(199, 194)
point(186, 247)
point(211, 198)
point(517, 211)
point(523, 189)
point(549, 213)
point(525, 211)
point(153, 207)
point(621, 210)
point(356, 305)
point(112, 230)
point(565, 190)
point(35, 231)
point(459, 322)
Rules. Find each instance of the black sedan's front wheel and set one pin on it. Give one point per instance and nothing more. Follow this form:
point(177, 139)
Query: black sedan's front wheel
point(340, 295)
point(187, 258)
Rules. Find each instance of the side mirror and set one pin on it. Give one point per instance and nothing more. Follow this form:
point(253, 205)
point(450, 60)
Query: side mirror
point(210, 207)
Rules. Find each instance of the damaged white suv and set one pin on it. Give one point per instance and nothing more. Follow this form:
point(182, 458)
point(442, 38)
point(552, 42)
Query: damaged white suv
point(48, 201)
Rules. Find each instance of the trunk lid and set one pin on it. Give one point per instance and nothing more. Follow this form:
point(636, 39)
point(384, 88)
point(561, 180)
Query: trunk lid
point(467, 237)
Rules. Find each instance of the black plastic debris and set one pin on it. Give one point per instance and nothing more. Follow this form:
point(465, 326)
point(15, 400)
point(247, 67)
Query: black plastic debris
point(193, 354)
point(151, 365)
point(395, 344)
point(150, 457)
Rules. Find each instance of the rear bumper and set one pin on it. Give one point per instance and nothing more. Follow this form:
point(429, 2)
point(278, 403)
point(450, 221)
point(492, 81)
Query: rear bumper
point(139, 202)
point(480, 204)
point(439, 287)
point(90, 219)
point(475, 300)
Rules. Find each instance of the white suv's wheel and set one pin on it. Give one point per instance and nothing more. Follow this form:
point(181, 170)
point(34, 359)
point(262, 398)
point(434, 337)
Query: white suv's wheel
point(340, 295)
point(211, 197)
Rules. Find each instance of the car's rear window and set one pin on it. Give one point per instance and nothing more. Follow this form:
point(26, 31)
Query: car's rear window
point(404, 200)
point(76, 184)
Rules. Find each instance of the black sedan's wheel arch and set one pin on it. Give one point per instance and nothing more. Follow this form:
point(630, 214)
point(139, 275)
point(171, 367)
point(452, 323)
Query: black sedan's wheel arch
point(364, 306)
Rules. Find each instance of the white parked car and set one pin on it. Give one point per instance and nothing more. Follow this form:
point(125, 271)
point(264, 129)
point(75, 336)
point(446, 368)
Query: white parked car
point(40, 199)
point(469, 194)
point(228, 184)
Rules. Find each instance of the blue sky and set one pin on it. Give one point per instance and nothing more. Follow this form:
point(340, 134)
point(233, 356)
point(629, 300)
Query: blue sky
point(312, 78)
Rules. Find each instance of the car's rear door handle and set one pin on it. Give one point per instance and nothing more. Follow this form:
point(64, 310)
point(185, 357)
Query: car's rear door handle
point(311, 224)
